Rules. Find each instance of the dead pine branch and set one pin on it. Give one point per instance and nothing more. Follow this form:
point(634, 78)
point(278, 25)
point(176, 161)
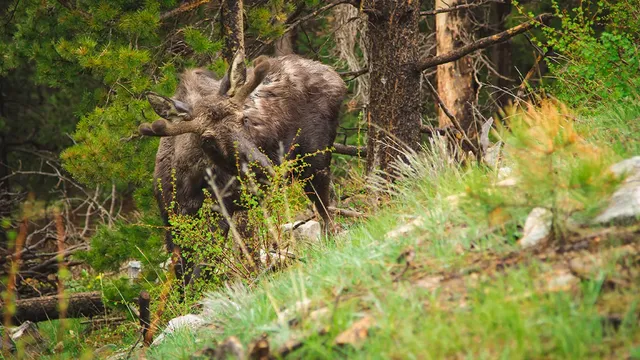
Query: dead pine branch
point(350, 150)
point(458, 7)
point(453, 119)
point(352, 75)
point(346, 212)
point(183, 8)
point(482, 43)
point(525, 82)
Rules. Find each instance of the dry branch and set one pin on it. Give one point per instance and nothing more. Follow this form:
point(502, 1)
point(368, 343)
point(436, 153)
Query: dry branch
point(361, 151)
point(46, 308)
point(458, 7)
point(525, 81)
point(183, 8)
point(353, 74)
point(292, 25)
point(482, 43)
point(350, 150)
point(346, 212)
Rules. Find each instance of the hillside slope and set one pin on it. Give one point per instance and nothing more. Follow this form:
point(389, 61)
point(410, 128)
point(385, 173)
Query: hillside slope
point(439, 272)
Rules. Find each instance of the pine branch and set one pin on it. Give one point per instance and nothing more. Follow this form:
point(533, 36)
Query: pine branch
point(482, 43)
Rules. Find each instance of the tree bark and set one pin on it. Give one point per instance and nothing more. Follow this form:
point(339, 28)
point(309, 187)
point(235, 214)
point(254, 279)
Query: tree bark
point(286, 44)
point(46, 307)
point(393, 115)
point(454, 79)
point(501, 53)
point(232, 24)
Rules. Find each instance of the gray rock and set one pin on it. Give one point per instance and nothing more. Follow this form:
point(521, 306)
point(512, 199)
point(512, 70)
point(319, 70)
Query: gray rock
point(190, 322)
point(624, 205)
point(537, 228)
point(304, 230)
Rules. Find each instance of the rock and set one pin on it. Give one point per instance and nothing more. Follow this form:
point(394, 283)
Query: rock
point(628, 166)
point(300, 307)
point(505, 177)
point(404, 229)
point(278, 258)
point(504, 172)
point(310, 230)
point(304, 230)
point(190, 322)
point(134, 268)
point(537, 228)
point(624, 205)
point(29, 338)
point(454, 200)
point(562, 281)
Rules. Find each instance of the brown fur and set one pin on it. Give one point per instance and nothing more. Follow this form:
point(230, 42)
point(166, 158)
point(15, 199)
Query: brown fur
point(183, 153)
point(286, 100)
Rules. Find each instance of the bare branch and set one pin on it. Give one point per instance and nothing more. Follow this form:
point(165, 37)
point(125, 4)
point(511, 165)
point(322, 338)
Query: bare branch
point(183, 8)
point(296, 23)
point(458, 7)
point(347, 212)
point(446, 110)
point(315, 13)
point(482, 43)
point(350, 150)
point(353, 74)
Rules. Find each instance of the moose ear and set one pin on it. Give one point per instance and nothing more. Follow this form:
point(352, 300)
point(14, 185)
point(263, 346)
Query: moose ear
point(169, 109)
point(237, 74)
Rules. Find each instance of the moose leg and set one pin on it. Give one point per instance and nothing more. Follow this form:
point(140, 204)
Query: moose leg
point(318, 190)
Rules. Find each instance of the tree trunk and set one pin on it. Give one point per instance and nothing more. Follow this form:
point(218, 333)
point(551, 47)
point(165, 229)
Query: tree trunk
point(455, 79)
point(5, 199)
point(286, 44)
point(232, 24)
point(46, 307)
point(393, 115)
point(501, 53)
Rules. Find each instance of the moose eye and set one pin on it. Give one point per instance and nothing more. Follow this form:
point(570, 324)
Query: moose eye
point(246, 121)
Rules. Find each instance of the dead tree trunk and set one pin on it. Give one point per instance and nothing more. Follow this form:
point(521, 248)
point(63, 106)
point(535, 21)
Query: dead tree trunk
point(455, 79)
point(46, 307)
point(393, 115)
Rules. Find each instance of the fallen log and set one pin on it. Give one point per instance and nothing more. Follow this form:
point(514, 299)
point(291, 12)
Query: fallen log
point(46, 308)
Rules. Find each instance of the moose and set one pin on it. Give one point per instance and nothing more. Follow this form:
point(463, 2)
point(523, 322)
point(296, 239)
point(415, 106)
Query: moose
point(286, 102)
point(182, 158)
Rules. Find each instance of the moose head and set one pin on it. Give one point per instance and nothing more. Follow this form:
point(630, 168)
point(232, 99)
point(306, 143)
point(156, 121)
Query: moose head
point(217, 119)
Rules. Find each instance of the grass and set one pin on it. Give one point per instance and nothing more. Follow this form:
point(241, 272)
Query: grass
point(468, 292)
point(455, 286)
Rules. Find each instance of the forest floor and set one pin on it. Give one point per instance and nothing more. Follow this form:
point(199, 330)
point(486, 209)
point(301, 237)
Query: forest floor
point(438, 272)
point(426, 277)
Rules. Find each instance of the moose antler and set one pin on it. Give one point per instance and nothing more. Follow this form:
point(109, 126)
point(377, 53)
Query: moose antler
point(262, 67)
point(164, 128)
